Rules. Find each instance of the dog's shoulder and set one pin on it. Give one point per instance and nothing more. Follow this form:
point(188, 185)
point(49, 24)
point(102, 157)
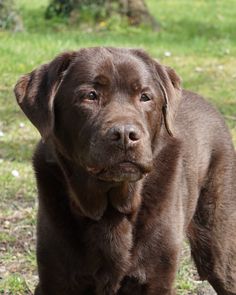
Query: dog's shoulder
point(199, 117)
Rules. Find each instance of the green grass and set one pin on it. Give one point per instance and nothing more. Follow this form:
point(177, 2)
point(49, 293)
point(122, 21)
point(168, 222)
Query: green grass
point(201, 37)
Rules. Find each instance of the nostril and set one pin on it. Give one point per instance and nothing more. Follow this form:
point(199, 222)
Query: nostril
point(134, 136)
point(124, 134)
point(116, 135)
point(132, 133)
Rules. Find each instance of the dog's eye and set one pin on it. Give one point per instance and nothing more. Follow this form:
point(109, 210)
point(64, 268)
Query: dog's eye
point(144, 97)
point(92, 95)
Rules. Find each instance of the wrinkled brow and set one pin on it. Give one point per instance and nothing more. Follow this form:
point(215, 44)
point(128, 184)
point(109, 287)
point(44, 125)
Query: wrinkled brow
point(101, 80)
point(136, 85)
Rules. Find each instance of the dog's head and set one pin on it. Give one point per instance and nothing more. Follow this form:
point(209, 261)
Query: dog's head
point(103, 108)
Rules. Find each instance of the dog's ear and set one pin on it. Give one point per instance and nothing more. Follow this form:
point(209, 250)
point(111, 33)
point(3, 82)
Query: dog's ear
point(35, 92)
point(170, 85)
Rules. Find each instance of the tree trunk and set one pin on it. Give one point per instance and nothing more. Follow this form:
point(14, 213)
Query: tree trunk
point(9, 18)
point(138, 13)
point(136, 10)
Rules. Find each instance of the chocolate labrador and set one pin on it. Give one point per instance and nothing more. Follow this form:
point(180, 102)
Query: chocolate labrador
point(129, 163)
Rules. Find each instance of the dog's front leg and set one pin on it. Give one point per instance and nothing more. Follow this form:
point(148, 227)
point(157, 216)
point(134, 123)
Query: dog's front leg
point(161, 279)
point(114, 245)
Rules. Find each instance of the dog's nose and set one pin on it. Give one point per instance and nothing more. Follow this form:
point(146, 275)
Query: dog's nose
point(125, 135)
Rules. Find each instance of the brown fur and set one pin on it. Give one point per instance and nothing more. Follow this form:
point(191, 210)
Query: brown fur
point(123, 177)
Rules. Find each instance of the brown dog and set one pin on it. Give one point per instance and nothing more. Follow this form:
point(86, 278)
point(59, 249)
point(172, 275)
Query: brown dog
point(128, 164)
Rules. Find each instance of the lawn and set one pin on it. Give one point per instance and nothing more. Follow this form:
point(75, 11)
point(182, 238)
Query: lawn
point(198, 39)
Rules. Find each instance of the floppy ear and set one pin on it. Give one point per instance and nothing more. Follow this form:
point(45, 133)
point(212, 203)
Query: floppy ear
point(35, 92)
point(170, 85)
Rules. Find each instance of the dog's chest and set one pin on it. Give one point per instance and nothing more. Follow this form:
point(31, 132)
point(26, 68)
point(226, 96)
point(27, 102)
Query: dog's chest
point(108, 252)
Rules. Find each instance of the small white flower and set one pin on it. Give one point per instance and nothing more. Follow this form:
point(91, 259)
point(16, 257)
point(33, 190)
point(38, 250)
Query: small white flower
point(198, 69)
point(6, 223)
point(15, 173)
point(227, 51)
point(167, 53)
point(22, 125)
point(1, 134)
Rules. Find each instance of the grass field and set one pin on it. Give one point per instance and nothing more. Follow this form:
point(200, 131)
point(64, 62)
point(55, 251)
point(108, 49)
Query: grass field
point(198, 39)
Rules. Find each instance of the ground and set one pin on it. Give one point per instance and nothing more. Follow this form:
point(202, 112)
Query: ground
point(198, 39)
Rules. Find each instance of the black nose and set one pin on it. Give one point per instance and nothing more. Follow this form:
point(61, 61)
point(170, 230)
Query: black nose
point(125, 135)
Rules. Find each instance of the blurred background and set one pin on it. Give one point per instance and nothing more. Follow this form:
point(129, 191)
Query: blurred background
point(196, 38)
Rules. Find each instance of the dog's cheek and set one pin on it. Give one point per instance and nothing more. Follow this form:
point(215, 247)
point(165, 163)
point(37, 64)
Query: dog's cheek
point(67, 130)
point(153, 123)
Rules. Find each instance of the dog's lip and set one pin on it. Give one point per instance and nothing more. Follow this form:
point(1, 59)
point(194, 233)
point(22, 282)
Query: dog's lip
point(94, 169)
point(124, 169)
point(125, 164)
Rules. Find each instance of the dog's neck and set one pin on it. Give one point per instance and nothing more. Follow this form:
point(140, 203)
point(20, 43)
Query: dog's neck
point(92, 198)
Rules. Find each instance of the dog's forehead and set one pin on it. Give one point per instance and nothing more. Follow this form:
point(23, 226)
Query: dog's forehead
point(107, 64)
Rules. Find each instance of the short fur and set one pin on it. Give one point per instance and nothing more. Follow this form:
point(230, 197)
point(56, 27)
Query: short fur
point(129, 163)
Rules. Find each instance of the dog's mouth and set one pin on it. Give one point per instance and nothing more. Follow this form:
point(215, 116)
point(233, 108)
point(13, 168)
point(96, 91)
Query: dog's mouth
point(120, 172)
